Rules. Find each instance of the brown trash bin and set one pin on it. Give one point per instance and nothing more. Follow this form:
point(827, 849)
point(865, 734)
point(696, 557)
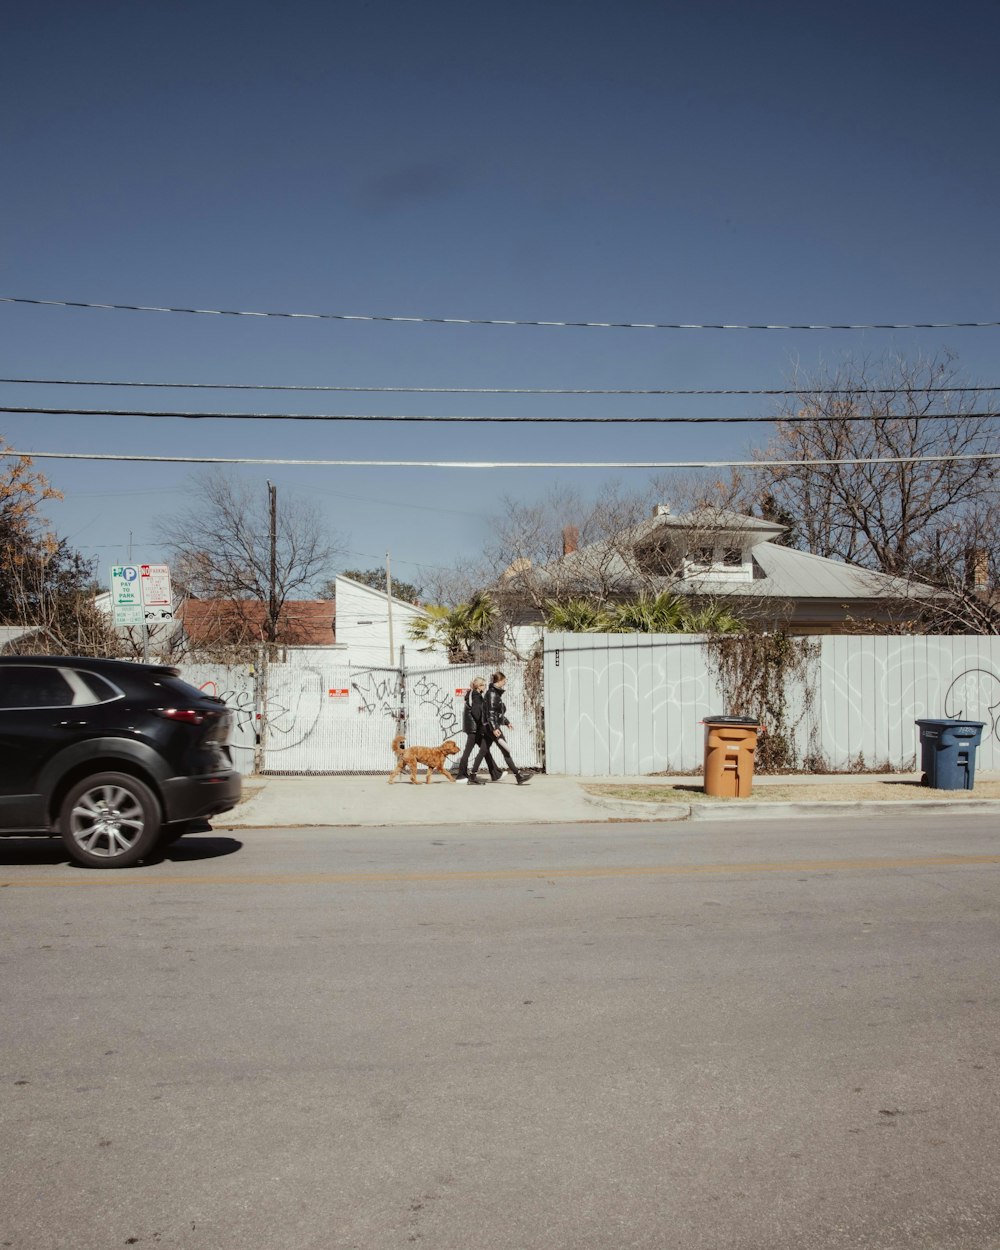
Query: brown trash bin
point(730, 743)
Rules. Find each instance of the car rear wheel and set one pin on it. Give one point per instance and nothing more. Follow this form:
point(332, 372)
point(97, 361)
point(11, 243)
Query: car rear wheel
point(110, 820)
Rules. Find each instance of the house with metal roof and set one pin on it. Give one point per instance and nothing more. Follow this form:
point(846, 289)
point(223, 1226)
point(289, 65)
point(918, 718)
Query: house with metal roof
point(715, 554)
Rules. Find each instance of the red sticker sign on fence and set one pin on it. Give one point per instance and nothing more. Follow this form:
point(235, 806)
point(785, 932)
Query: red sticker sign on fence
point(338, 693)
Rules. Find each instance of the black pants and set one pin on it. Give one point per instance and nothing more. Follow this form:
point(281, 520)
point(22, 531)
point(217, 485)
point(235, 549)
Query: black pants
point(481, 739)
point(484, 752)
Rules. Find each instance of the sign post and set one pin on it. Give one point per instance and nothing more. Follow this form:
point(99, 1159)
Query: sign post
point(141, 597)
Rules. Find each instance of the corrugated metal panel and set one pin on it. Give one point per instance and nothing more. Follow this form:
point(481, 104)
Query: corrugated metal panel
point(633, 704)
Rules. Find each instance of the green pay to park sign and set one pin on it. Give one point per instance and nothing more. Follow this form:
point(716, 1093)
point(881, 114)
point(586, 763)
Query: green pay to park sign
point(140, 594)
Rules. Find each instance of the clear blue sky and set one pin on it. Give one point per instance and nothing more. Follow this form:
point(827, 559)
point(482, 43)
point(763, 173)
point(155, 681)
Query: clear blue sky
point(630, 162)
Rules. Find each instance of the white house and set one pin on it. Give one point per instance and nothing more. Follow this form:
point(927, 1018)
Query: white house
point(717, 555)
point(363, 616)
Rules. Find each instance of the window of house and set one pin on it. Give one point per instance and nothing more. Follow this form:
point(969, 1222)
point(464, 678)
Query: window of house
point(732, 556)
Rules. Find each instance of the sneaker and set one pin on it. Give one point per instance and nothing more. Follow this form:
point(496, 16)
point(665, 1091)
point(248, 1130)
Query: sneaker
point(522, 778)
point(474, 781)
point(461, 781)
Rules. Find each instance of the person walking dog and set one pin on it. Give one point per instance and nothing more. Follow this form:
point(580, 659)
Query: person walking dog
point(473, 726)
point(495, 715)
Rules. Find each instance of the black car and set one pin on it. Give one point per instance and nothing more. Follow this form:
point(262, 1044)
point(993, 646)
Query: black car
point(118, 758)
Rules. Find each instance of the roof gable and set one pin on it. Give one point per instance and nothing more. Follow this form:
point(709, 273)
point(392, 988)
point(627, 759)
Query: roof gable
point(380, 595)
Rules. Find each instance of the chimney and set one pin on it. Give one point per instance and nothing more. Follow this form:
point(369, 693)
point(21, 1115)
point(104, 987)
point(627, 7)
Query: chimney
point(661, 509)
point(977, 569)
point(571, 539)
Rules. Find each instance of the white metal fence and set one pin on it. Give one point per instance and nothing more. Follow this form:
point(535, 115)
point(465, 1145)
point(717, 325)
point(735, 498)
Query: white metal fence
point(632, 704)
point(311, 715)
point(237, 686)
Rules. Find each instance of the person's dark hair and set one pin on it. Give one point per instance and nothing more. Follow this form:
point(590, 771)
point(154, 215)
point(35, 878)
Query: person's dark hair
point(497, 677)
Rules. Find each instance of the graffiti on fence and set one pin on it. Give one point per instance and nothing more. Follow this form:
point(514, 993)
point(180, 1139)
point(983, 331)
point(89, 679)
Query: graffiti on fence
point(291, 709)
point(427, 693)
point(240, 703)
point(293, 706)
point(307, 726)
point(975, 695)
point(379, 693)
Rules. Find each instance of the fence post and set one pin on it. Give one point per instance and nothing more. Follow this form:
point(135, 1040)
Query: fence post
point(260, 708)
point(404, 720)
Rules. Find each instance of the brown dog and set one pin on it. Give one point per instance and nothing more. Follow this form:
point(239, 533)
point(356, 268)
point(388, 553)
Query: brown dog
point(432, 757)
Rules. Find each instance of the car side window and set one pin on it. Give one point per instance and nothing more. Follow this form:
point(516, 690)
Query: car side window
point(98, 689)
point(27, 686)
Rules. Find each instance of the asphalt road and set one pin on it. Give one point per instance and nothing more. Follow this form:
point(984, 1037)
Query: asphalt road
point(587, 1038)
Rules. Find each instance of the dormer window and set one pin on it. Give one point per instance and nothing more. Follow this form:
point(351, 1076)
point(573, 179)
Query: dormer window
point(718, 561)
point(711, 544)
point(705, 557)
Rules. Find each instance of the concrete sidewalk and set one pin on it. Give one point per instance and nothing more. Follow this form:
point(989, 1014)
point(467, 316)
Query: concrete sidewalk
point(369, 801)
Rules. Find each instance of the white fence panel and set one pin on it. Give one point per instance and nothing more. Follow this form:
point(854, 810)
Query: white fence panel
point(321, 716)
point(330, 718)
point(873, 689)
point(633, 704)
point(236, 686)
point(325, 717)
point(625, 705)
point(434, 709)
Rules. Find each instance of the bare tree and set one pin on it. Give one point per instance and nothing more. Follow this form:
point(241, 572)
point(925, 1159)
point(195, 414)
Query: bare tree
point(566, 545)
point(963, 567)
point(884, 516)
point(221, 549)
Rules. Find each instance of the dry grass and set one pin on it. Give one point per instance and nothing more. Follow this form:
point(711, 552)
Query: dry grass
point(805, 792)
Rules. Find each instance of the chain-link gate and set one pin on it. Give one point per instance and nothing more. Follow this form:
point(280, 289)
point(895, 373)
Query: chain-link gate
point(306, 715)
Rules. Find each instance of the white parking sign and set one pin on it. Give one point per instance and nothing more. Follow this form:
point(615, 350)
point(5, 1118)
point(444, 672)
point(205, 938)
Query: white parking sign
point(157, 600)
point(126, 596)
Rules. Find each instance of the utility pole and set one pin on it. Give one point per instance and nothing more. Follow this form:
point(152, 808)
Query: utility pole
point(272, 594)
point(388, 599)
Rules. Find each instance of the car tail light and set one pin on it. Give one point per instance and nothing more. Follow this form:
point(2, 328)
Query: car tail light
point(186, 715)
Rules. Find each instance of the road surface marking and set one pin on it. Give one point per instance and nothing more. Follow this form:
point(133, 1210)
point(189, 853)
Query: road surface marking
point(124, 877)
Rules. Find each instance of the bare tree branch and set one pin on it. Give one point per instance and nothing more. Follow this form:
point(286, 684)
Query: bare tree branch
point(220, 549)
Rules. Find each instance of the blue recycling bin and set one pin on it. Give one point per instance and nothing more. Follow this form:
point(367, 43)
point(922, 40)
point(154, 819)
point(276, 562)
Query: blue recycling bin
point(948, 752)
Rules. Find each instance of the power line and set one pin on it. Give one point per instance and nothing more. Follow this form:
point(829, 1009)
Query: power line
point(391, 503)
point(789, 418)
point(507, 390)
point(136, 458)
point(380, 560)
point(495, 321)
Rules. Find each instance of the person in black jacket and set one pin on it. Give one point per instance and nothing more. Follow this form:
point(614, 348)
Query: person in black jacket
point(495, 713)
point(474, 727)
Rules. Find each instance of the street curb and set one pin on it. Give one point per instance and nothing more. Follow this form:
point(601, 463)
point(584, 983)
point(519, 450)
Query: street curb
point(637, 809)
point(750, 809)
point(843, 807)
